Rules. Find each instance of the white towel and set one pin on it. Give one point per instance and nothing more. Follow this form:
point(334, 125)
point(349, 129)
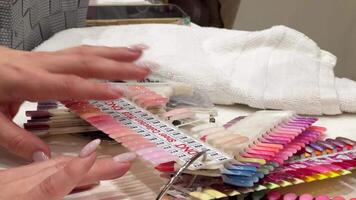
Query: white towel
point(277, 68)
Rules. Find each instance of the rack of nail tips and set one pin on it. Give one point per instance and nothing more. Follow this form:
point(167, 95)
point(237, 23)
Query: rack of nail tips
point(151, 101)
point(254, 150)
point(275, 195)
point(338, 160)
point(53, 118)
point(154, 140)
point(208, 193)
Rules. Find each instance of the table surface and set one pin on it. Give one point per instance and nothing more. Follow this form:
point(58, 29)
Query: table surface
point(142, 182)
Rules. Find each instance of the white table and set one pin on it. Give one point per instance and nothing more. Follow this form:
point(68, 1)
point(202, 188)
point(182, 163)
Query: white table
point(342, 125)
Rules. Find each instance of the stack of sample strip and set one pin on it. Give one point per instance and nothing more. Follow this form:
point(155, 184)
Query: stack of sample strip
point(248, 154)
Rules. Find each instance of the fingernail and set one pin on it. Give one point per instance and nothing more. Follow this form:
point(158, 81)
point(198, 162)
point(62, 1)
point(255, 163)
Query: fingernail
point(125, 157)
point(137, 47)
point(39, 156)
point(89, 148)
point(118, 89)
point(148, 65)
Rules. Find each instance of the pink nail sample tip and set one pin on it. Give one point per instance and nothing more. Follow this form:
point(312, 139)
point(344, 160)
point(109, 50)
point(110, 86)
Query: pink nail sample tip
point(306, 197)
point(322, 197)
point(290, 196)
point(274, 195)
point(338, 198)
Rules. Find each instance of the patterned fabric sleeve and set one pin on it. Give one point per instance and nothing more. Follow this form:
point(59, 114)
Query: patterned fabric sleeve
point(24, 24)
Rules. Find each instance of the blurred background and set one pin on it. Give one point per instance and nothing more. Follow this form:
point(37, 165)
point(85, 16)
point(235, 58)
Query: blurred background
point(332, 24)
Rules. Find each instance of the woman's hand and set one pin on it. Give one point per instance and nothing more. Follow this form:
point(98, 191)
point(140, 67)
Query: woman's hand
point(53, 179)
point(60, 75)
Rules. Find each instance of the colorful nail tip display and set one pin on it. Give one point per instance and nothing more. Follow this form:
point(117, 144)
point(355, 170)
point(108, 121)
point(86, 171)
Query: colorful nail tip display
point(248, 174)
point(322, 197)
point(275, 146)
point(141, 121)
point(306, 197)
point(263, 151)
point(276, 195)
point(338, 198)
point(290, 196)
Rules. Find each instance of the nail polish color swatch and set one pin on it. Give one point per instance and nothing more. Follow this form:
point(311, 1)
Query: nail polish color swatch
point(140, 131)
point(247, 156)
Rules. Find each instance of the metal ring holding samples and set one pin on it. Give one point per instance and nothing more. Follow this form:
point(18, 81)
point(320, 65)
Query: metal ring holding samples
point(179, 172)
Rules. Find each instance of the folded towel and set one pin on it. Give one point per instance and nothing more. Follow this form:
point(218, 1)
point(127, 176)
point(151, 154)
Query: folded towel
point(277, 68)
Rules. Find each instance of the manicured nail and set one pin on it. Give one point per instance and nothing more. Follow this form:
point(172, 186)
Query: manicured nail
point(138, 47)
point(148, 65)
point(117, 90)
point(89, 148)
point(39, 156)
point(125, 157)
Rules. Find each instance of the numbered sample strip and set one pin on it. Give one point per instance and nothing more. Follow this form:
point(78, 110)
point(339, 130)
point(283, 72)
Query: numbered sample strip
point(140, 131)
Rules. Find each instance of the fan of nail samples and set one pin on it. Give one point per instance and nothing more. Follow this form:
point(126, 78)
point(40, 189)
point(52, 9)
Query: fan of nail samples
point(250, 171)
point(275, 195)
point(140, 131)
point(216, 191)
point(52, 118)
point(260, 142)
point(328, 167)
point(304, 171)
point(312, 169)
point(325, 146)
point(316, 148)
point(268, 135)
point(247, 172)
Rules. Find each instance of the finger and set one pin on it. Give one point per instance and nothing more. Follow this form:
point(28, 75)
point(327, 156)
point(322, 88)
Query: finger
point(43, 169)
point(64, 87)
point(21, 142)
point(123, 54)
point(22, 172)
point(10, 109)
point(85, 187)
point(62, 182)
point(105, 169)
point(95, 67)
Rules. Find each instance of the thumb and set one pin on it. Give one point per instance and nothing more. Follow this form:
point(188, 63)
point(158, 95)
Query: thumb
point(21, 142)
point(65, 180)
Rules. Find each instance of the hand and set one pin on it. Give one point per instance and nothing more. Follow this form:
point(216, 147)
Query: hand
point(53, 179)
point(60, 75)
